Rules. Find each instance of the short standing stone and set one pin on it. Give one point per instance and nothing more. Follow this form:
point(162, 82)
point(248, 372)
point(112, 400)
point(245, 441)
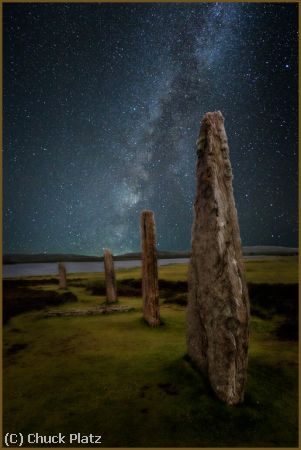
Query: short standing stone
point(218, 305)
point(150, 289)
point(62, 276)
point(110, 277)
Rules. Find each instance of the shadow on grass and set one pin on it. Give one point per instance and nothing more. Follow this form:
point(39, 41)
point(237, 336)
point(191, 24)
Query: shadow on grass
point(18, 300)
point(261, 420)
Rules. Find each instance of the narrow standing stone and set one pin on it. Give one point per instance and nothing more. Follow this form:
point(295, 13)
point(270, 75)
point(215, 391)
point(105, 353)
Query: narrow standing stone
point(62, 276)
point(110, 277)
point(218, 307)
point(150, 289)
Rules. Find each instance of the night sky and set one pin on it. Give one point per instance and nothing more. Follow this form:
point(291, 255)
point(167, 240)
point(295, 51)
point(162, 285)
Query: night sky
point(102, 108)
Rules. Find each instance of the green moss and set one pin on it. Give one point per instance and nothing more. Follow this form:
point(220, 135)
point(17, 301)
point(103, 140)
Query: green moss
point(113, 375)
point(273, 270)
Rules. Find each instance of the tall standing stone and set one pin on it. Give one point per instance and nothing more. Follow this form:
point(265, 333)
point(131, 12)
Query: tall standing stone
point(150, 289)
point(218, 307)
point(110, 277)
point(62, 276)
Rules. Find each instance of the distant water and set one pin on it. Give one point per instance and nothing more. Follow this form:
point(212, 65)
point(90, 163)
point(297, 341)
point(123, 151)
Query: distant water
point(35, 269)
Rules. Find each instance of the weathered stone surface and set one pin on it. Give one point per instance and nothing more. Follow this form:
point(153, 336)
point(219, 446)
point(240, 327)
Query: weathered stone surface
point(150, 289)
point(89, 312)
point(111, 289)
point(218, 304)
point(62, 276)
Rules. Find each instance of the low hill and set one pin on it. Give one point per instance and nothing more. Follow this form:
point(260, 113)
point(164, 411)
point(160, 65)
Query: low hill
point(19, 258)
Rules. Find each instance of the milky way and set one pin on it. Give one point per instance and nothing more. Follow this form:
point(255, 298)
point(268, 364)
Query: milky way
point(102, 106)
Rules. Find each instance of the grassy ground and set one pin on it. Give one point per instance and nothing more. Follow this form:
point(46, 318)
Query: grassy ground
point(112, 375)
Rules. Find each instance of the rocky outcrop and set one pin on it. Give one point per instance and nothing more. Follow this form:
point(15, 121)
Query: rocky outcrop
point(218, 304)
point(150, 289)
point(88, 312)
point(111, 289)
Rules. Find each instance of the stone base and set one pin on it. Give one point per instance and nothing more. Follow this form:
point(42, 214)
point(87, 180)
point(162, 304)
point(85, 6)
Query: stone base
point(89, 312)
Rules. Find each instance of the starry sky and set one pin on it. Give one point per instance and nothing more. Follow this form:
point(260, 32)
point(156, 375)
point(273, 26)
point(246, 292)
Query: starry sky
point(102, 108)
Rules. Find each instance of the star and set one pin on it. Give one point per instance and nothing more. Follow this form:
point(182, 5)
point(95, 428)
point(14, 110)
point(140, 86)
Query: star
point(101, 116)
